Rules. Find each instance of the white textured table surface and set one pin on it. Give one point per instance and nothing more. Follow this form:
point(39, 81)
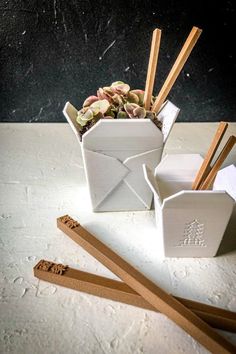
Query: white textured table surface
point(42, 178)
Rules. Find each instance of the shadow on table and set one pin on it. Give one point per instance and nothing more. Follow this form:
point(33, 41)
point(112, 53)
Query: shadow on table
point(228, 243)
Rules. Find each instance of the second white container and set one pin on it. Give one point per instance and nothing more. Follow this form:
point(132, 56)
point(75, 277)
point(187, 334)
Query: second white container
point(190, 223)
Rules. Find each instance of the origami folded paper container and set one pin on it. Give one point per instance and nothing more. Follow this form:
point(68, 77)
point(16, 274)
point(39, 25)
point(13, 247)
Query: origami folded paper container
point(191, 223)
point(113, 153)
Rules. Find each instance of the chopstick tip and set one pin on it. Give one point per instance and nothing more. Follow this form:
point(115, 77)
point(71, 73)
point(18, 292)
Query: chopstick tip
point(223, 122)
point(156, 32)
point(197, 29)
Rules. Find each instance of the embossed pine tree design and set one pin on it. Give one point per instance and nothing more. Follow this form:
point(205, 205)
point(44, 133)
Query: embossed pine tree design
point(193, 234)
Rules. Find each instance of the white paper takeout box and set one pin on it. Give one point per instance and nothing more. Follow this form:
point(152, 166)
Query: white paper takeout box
point(113, 153)
point(191, 223)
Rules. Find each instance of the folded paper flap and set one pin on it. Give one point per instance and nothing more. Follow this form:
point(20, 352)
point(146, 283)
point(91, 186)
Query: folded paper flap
point(120, 144)
point(178, 167)
point(135, 178)
point(125, 155)
point(70, 113)
point(226, 180)
point(151, 181)
point(167, 116)
point(101, 182)
point(123, 134)
point(124, 128)
point(187, 199)
point(131, 161)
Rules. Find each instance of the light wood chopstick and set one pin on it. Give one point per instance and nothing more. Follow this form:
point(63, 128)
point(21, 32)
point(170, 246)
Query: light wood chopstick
point(156, 39)
point(215, 168)
point(118, 291)
point(177, 67)
point(205, 167)
point(157, 297)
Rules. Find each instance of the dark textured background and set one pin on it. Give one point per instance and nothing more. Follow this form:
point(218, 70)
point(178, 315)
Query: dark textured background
point(52, 51)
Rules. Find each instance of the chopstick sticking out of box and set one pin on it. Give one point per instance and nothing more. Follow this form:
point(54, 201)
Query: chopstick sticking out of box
point(156, 39)
point(204, 169)
point(118, 291)
point(221, 158)
point(177, 67)
point(157, 297)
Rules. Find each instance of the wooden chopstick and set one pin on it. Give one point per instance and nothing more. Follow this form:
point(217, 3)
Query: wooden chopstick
point(157, 297)
point(119, 291)
point(215, 168)
point(216, 317)
point(177, 67)
point(205, 167)
point(156, 39)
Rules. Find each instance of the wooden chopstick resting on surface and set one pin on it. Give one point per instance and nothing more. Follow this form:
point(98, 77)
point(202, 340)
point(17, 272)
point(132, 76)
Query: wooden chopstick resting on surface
point(177, 67)
point(119, 291)
point(204, 169)
point(157, 297)
point(156, 39)
point(215, 168)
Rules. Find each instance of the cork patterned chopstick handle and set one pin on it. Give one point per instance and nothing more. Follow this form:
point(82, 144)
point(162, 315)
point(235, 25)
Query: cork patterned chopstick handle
point(118, 291)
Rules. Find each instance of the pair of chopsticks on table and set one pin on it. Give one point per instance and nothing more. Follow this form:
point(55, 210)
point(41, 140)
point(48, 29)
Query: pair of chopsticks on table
point(206, 174)
point(174, 72)
point(139, 290)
